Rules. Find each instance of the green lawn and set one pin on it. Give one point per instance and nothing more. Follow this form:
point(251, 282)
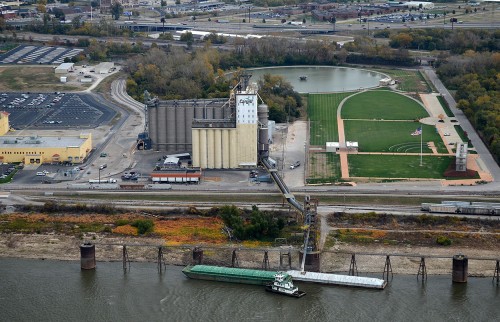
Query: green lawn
point(445, 106)
point(387, 136)
point(462, 135)
point(322, 112)
point(385, 105)
point(409, 80)
point(397, 166)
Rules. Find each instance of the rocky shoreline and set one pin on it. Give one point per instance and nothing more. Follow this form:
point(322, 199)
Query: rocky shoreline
point(370, 259)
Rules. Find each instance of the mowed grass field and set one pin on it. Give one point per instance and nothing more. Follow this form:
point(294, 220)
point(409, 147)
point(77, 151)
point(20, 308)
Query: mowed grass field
point(391, 136)
point(322, 113)
point(382, 105)
point(397, 166)
point(409, 80)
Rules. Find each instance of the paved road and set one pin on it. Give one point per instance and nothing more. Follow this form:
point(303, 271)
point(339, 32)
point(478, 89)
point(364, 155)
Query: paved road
point(481, 149)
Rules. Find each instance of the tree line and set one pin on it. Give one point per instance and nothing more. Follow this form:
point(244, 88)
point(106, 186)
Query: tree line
point(475, 76)
point(456, 41)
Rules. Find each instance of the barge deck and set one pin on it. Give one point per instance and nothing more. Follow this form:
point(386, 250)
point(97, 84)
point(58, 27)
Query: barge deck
point(336, 279)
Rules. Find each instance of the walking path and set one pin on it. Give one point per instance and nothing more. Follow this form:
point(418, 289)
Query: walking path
point(489, 163)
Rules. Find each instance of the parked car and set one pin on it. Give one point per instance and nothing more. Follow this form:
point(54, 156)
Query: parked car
point(294, 165)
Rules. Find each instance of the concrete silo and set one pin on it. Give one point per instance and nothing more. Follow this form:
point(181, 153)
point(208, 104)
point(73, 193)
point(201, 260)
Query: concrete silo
point(162, 128)
point(180, 129)
point(171, 129)
point(153, 126)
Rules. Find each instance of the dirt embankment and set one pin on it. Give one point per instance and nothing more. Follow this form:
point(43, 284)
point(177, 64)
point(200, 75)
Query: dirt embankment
point(336, 259)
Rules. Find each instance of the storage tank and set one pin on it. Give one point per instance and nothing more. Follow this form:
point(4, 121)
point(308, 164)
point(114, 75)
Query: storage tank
point(218, 149)
point(225, 149)
point(153, 126)
point(233, 149)
point(162, 128)
point(180, 129)
point(210, 149)
point(196, 148)
point(198, 112)
point(171, 126)
point(203, 148)
point(188, 126)
point(87, 256)
point(209, 112)
point(218, 113)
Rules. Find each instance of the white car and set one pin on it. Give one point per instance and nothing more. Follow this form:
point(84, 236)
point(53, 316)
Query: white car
point(294, 165)
point(446, 134)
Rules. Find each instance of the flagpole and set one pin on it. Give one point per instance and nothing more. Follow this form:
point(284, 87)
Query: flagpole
point(421, 139)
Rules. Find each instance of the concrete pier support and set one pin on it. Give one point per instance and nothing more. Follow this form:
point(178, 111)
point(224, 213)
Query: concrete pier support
point(197, 256)
point(460, 269)
point(313, 261)
point(87, 256)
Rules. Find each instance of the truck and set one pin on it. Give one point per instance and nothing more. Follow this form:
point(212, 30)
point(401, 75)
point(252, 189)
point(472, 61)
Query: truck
point(109, 180)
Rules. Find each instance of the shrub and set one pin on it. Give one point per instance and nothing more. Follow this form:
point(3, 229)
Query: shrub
point(143, 226)
point(443, 240)
point(122, 222)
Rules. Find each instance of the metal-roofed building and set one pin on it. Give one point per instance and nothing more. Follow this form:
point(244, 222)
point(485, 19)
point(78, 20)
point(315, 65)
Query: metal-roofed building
point(64, 68)
point(46, 149)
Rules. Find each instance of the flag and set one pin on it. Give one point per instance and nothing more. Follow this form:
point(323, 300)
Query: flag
point(417, 132)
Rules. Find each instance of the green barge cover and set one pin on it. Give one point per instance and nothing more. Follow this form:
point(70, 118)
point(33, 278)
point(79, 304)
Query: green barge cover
point(230, 272)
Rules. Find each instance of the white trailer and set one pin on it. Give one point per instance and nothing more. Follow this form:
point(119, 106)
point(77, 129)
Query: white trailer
point(109, 180)
point(159, 186)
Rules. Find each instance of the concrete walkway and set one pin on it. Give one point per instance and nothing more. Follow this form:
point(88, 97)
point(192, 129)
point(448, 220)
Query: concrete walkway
point(489, 163)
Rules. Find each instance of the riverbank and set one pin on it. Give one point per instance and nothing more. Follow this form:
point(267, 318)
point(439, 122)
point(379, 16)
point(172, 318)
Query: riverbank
point(370, 259)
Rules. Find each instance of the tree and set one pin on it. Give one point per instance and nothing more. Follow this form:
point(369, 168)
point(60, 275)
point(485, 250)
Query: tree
point(116, 10)
point(163, 22)
point(186, 36)
point(41, 6)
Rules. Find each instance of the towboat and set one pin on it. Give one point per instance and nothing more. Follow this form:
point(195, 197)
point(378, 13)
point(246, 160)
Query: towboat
point(283, 284)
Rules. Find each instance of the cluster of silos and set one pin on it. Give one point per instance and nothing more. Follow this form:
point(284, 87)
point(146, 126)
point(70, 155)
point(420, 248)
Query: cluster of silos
point(263, 115)
point(170, 122)
point(215, 148)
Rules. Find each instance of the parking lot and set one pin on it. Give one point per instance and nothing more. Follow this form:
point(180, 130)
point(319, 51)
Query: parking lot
point(38, 55)
point(54, 110)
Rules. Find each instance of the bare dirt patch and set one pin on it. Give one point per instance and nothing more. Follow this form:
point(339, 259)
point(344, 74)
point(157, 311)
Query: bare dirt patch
point(35, 79)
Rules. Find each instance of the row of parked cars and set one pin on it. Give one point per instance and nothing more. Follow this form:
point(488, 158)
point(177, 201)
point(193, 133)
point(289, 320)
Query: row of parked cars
point(7, 172)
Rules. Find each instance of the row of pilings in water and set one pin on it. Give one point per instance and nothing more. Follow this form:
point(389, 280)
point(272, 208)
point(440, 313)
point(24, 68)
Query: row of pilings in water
point(460, 263)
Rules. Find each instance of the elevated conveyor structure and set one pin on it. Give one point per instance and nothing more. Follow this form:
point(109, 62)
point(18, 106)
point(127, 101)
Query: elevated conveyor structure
point(309, 216)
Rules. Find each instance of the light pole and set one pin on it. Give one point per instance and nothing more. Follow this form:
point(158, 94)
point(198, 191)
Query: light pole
point(100, 175)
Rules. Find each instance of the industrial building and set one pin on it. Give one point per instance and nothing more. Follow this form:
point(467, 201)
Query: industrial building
point(38, 149)
point(220, 133)
point(64, 68)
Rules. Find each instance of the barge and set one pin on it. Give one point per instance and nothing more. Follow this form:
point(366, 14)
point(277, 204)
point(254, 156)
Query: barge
point(229, 274)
